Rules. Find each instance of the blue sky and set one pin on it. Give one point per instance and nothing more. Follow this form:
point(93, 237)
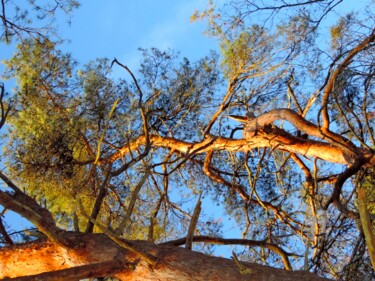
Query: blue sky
point(118, 29)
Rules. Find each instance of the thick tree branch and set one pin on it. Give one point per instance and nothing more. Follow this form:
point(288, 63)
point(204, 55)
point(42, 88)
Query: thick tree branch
point(271, 137)
point(176, 264)
point(300, 123)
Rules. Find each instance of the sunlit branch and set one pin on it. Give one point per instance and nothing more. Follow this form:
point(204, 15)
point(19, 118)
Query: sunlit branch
point(88, 271)
point(271, 137)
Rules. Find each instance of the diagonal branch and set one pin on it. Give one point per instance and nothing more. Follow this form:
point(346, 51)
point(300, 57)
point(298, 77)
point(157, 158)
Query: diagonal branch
point(224, 104)
point(5, 234)
point(99, 200)
point(193, 224)
point(341, 179)
point(28, 208)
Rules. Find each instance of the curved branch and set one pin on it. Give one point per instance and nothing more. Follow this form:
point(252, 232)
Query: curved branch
point(140, 105)
point(341, 179)
point(347, 60)
point(301, 124)
point(224, 104)
point(244, 242)
point(207, 170)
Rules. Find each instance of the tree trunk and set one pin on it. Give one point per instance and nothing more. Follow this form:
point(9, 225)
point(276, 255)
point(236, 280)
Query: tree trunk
point(95, 255)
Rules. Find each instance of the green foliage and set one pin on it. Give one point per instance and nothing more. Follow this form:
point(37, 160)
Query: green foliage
point(339, 31)
point(245, 53)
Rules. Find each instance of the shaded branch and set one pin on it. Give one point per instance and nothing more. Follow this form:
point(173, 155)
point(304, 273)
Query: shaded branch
point(224, 104)
point(149, 258)
point(133, 199)
point(341, 179)
point(4, 112)
point(5, 234)
point(98, 201)
point(28, 208)
point(244, 242)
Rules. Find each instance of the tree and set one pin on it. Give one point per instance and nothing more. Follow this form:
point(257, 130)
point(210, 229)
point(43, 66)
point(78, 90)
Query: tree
point(115, 174)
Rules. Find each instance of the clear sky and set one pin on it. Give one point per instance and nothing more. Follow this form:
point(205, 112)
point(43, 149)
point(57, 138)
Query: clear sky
point(118, 29)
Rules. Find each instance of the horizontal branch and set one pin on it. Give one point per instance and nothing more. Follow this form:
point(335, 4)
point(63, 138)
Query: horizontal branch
point(243, 242)
point(269, 137)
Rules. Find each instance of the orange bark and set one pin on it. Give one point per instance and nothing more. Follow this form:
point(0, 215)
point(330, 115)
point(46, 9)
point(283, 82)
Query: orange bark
point(259, 133)
point(51, 261)
point(308, 148)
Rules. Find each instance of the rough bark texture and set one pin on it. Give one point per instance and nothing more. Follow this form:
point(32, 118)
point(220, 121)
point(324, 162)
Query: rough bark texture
point(43, 260)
